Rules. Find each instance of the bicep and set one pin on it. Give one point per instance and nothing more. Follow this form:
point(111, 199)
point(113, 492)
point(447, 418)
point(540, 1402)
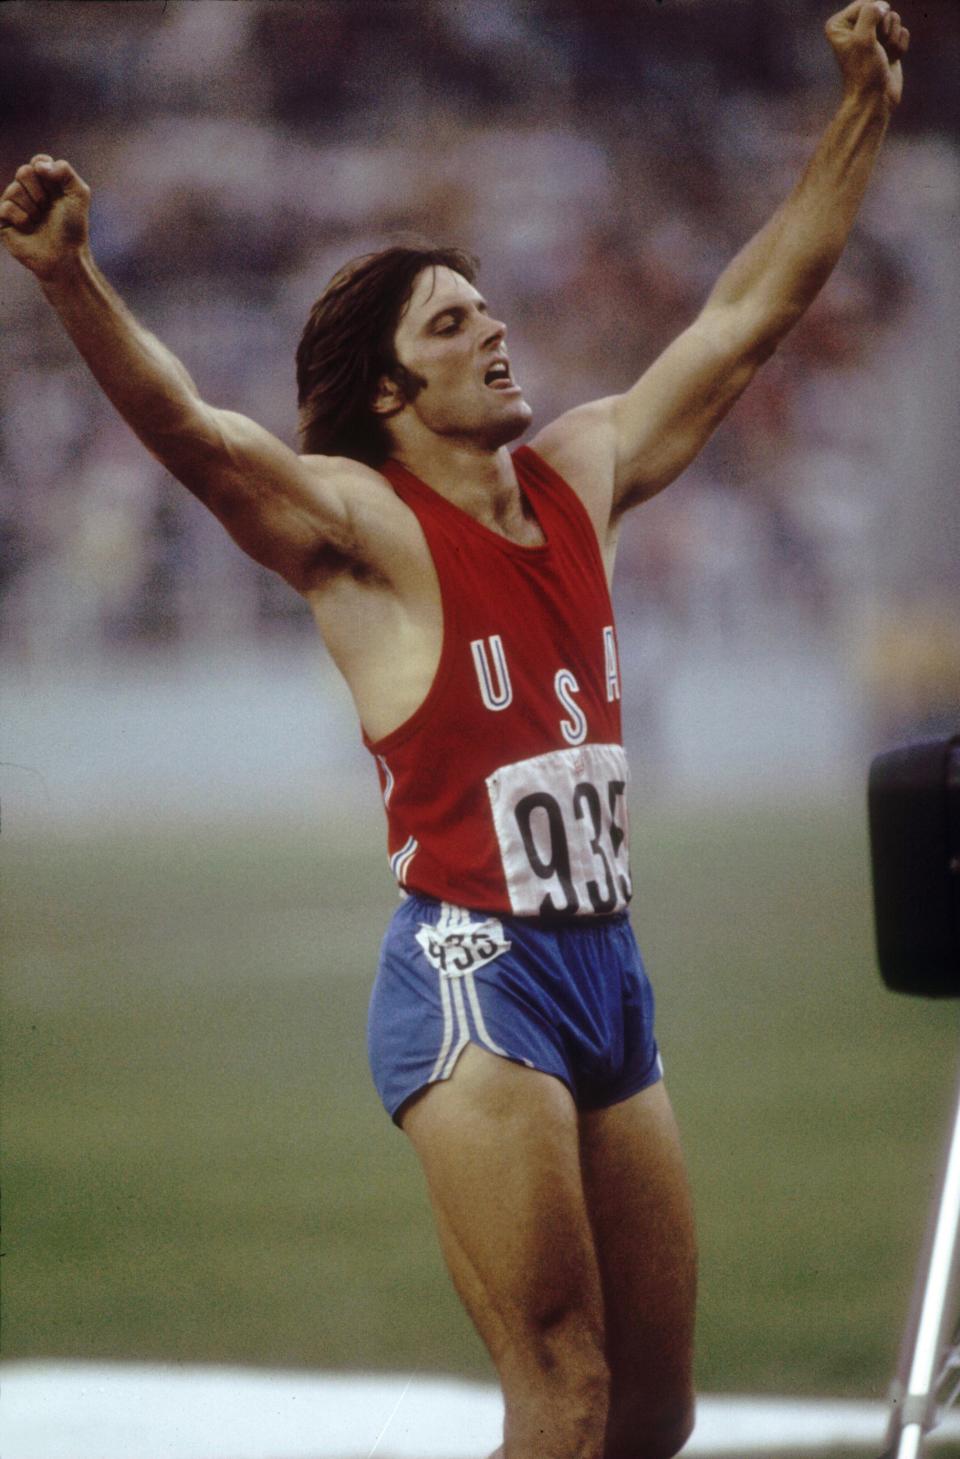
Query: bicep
point(667, 417)
point(280, 511)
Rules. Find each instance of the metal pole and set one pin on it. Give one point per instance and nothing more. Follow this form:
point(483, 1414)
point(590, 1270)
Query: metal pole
point(914, 1411)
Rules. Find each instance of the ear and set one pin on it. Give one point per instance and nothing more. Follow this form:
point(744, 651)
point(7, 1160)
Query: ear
point(388, 398)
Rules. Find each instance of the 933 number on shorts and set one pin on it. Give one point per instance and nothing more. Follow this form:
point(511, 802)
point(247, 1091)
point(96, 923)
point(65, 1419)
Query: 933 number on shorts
point(561, 824)
point(456, 945)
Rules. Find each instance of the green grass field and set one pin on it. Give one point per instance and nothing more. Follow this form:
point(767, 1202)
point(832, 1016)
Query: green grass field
point(197, 1167)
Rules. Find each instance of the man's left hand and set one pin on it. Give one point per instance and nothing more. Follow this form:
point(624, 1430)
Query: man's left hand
point(869, 41)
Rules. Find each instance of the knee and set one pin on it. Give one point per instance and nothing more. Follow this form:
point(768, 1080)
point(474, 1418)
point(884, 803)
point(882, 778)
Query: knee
point(556, 1385)
point(567, 1360)
point(655, 1430)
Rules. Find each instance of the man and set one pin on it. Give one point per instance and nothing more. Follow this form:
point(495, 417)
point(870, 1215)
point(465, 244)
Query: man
point(511, 1024)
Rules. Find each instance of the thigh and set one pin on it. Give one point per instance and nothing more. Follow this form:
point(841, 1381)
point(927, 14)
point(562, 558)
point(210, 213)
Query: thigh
point(499, 1145)
point(641, 1214)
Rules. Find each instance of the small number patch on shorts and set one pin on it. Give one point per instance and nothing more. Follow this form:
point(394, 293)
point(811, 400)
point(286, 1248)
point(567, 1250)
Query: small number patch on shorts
point(455, 950)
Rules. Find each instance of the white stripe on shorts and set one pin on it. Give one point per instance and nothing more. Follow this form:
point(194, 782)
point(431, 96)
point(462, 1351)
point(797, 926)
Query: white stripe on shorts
point(455, 1007)
point(482, 1031)
point(464, 1038)
point(447, 1030)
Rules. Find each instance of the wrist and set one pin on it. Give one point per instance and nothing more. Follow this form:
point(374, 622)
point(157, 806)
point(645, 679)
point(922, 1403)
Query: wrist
point(66, 270)
point(866, 106)
point(868, 99)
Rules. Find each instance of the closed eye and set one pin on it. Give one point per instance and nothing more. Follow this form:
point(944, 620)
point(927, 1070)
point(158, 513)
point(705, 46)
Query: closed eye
point(450, 320)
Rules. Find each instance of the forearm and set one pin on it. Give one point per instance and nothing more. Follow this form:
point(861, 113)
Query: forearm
point(781, 269)
point(147, 384)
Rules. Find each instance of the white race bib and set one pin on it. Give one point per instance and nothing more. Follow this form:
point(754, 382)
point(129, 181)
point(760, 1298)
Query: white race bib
point(561, 825)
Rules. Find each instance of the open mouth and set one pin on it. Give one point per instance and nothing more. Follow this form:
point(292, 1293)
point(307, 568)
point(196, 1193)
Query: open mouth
point(498, 376)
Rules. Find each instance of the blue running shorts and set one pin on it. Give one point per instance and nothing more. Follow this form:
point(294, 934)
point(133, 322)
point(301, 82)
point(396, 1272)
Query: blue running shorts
point(570, 999)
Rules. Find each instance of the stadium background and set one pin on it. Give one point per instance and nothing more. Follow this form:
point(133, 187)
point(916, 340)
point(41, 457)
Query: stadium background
point(196, 1165)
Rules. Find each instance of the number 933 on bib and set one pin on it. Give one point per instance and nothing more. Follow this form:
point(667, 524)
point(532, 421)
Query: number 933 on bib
point(561, 825)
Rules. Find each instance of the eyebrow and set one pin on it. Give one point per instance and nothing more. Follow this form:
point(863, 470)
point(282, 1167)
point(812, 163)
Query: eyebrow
point(457, 310)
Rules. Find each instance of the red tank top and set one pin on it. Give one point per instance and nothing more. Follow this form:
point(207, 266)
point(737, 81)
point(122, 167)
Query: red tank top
point(506, 791)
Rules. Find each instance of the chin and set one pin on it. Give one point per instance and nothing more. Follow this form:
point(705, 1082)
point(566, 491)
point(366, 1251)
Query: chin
point(512, 423)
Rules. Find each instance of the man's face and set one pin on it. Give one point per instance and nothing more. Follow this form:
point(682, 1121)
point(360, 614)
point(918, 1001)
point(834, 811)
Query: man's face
point(447, 338)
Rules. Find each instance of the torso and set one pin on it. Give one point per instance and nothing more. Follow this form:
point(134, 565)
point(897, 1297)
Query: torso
point(384, 629)
point(505, 782)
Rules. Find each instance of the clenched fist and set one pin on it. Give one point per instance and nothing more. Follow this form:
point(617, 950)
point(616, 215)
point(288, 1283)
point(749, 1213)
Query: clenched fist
point(869, 41)
point(44, 215)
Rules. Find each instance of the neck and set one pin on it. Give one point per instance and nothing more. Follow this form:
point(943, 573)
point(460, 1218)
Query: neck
point(478, 481)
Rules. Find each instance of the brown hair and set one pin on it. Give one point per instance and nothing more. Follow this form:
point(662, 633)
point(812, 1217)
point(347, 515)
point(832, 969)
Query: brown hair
point(347, 347)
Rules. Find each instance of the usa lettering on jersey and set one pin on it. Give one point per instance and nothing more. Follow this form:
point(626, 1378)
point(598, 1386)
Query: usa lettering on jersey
point(611, 664)
point(496, 689)
point(493, 676)
point(574, 729)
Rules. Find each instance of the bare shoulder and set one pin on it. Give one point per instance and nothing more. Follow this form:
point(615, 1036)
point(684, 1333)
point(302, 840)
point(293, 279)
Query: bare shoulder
point(342, 469)
point(372, 504)
point(581, 446)
point(385, 533)
point(360, 485)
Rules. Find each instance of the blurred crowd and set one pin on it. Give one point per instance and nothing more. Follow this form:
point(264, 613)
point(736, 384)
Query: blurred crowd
point(604, 159)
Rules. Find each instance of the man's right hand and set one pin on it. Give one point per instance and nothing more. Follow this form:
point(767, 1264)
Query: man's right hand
point(44, 216)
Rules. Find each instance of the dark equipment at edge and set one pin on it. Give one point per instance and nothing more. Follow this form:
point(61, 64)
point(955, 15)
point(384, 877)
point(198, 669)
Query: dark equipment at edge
point(914, 809)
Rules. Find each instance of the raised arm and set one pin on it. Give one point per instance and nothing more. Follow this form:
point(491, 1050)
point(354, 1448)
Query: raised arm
point(286, 514)
point(648, 435)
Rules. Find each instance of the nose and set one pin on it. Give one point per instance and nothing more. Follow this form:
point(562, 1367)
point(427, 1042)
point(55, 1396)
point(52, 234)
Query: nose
point(496, 332)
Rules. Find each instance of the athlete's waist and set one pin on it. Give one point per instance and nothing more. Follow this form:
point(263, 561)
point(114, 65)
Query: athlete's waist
point(550, 920)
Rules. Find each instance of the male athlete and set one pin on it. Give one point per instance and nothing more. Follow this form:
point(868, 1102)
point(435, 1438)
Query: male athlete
point(462, 590)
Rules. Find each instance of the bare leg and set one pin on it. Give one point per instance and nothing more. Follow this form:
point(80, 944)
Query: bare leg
point(642, 1218)
point(499, 1146)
